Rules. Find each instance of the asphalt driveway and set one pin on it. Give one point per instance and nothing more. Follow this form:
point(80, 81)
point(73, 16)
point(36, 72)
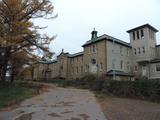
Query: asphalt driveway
point(57, 104)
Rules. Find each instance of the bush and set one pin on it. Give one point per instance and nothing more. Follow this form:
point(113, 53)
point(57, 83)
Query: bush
point(149, 89)
point(146, 89)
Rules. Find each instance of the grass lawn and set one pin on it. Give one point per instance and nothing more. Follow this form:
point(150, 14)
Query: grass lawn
point(14, 93)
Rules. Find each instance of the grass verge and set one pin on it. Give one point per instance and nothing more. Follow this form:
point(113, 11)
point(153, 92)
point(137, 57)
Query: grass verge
point(14, 93)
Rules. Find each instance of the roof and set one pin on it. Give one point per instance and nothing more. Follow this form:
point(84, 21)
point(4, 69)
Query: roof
point(157, 60)
point(158, 45)
point(109, 38)
point(75, 55)
point(117, 72)
point(46, 62)
point(142, 26)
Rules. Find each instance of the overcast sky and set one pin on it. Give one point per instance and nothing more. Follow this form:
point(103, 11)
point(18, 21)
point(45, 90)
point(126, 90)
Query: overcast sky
point(77, 18)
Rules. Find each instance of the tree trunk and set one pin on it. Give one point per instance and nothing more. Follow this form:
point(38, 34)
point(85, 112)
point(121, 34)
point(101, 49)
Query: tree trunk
point(5, 65)
point(12, 76)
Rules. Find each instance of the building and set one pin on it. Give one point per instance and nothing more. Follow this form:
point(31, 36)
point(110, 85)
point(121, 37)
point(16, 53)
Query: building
point(110, 57)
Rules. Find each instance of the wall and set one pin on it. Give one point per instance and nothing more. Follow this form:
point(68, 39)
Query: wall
point(115, 56)
point(99, 55)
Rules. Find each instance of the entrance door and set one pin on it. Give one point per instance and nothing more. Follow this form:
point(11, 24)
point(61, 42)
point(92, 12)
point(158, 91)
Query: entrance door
point(144, 71)
point(93, 66)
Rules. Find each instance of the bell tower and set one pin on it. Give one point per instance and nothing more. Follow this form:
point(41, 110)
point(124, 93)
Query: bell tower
point(143, 42)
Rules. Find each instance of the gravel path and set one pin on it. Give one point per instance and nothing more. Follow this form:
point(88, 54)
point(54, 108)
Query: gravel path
point(57, 104)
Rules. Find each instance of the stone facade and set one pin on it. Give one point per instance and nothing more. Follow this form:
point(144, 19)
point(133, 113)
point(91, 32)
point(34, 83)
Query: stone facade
point(110, 57)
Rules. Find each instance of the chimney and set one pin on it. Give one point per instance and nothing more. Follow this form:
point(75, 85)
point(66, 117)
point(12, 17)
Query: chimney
point(94, 34)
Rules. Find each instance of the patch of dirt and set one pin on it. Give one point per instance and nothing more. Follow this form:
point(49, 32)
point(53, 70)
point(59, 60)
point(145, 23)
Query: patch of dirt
point(116, 108)
point(84, 116)
point(63, 104)
point(54, 115)
point(74, 118)
point(65, 112)
point(27, 116)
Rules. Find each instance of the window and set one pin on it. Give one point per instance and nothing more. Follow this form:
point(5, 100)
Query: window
point(143, 49)
point(101, 66)
point(127, 52)
point(151, 34)
point(135, 68)
point(82, 59)
point(94, 48)
point(135, 52)
point(86, 68)
point(89, 49)
point(158, 67)
point(134, 36)
point(93, 61)
point(121, 50)
point(77, 69)
point(81, 69)
point(139, 50)
point(113, 63)
point(121, 64)
point(128, 66)
point(142, 33)
point(137, 34)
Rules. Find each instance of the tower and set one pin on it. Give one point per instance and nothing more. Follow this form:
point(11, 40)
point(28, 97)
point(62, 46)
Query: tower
point(143, 42)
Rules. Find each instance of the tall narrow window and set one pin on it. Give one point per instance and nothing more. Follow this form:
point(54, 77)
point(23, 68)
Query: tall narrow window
point(137, 34)
point(127, 52)
point(86, 68)
point(135, 52)
point(139, 50)
point(142, 33)
point(121, 64)
point(81, 69)
point(94, 48)
point(134, 36)
point(113, 64)
point(143, 49)
point(128, 66)
point(89, 49)
point(158, 67)
point(121, 50)
point(77, 69)
point(101, 66)
point(135, 68)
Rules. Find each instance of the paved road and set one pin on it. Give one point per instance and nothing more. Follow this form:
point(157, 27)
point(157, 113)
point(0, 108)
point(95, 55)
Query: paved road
point(57, 104)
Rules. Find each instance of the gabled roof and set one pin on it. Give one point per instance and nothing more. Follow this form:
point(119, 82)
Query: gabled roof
point(75, 55)
point(109, 38)
point(142, 26)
